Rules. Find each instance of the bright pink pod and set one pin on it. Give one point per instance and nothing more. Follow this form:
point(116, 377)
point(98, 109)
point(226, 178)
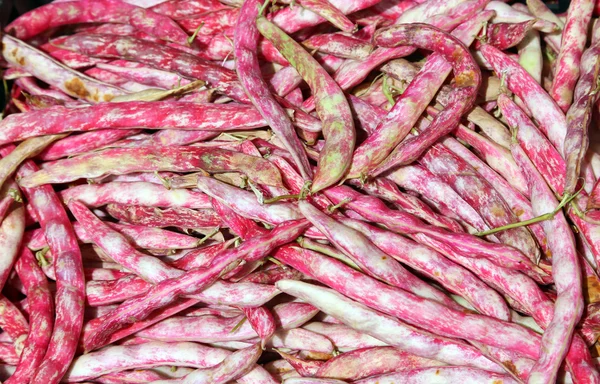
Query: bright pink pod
point(292, 19)
point(409, 106)
point(332, 107)
point(241, 226)
point(311, 380)
point(343, 337)
point(211, 23)
point(510, 14)
point(340, 45)
point(579, 116)
point(432, 189)
point(181, 8)
point(70, 294)
point(41, 317)
point(43, 67)
point(380, 326)
point(119, 161)
point(71, 59)
point(436, 267)
point(80, 143)
point(140, 193)
point(354, 72)
point(368, 257)
point(14, 324)
point(116, 245)
point(402, 304)
point(518, 204)
point(574, 37)
point(261, 321)
point(190, 282)
point(168, 137)
point(152, 354)
point(161, 218)
point(551, 120)
point(507, 35)
point(594, 200)
point(446, 374)
point(329, 12)
point(375, 210)
point(531, 299)
point(366, 362)
point(201, 257)
point(211, 328)
point(480, 194)
point(546, 158)
point(158, 55)
point(243, 294)
point(462, 98)
point(102, 274)
point(131, 114)
point(8, 354)
point(144, 74)
point(245, 204)
point(139, 235)
point(387, 190)
point(248, 70)
point(231, 368)
point(271, 276)
point(49, 16)
point(568, 307)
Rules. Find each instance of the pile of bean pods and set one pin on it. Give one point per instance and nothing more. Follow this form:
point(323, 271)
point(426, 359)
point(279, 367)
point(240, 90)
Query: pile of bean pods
point(300, 191)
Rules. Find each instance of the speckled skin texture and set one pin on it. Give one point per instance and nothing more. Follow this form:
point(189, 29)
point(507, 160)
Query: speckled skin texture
point(340, 45)
point(53, 15)
point(574, 37)
point(504, 35)
point(41, 316)
point(140, 193)
point(466, 84)
point(429, 262)
point(116, 245)
point(159, 55)
point(130, 114)
point(387, 190)
point(70, 294)
point(177, 9)
point(87, 141)
point(42, 66)
point(367, 256)
point(410, 105)
point(567, 276)
point(150, 159)
point(332, 107)
point(579, 116)
point(167, 217)
point(256, 88)
point(480, 194)
point(292, 19)
point(551, 120)
point(401, 222)
point(168, 290)
point(383, 327)
point(397, 303)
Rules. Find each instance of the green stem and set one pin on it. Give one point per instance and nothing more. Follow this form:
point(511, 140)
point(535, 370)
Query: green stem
point(386, 91)
point(191, 39)
point(333, 208)
point(41, 257)
point(567, 198)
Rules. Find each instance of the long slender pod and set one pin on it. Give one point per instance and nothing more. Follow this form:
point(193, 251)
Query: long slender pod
point(333, 109)
point(247, 67)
